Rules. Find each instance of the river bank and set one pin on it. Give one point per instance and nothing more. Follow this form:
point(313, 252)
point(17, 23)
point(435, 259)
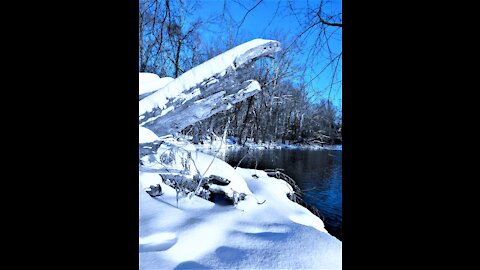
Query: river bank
point(183, 231)
point(231, 143)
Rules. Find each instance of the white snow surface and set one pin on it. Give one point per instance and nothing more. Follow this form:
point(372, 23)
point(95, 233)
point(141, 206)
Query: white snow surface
point(204, 163)
point(149, 82)
point(194, 76)
point(210, 147)
point(145, 135)
point(278, 234)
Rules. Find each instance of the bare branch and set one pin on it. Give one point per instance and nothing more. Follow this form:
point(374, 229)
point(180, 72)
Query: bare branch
point(324, 68)
point(333, 77)
point(273, 17)
point(245, 16)
point(330, 23)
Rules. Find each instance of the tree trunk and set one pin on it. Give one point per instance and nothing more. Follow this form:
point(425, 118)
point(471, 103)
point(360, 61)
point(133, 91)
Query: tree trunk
point(245, 120)
point(286, 129)
point(196, 134)
point(177, 58)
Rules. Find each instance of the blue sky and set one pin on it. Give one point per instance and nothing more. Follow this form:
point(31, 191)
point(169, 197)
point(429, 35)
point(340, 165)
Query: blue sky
point(256, 25)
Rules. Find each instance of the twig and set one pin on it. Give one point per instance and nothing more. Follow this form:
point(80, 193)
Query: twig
point(333, 77)
point(214, 157)
point(248, 149)
point(245, 16)
point(324, 68)
point(271, 20)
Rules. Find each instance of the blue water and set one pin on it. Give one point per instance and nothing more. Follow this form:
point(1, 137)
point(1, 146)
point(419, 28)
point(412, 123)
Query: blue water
point(317, 172)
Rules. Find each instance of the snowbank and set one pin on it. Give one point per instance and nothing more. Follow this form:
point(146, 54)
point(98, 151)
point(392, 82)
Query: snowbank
point(265, 231)
point(208, 147)
point(204, 163)
point(149, 82)
point(333, 147)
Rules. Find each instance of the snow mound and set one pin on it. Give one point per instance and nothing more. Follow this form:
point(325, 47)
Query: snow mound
point(149, 82)
point(145, 135)
point(271, 233)
point(150, 179)
point(222, 169)
point(199, 162)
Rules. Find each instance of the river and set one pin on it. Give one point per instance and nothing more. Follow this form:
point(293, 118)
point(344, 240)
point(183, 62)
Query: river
point(317, 172)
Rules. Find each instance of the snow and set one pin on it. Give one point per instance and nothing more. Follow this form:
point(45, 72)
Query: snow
point(210, 147)
point(198, 234)
point(231, 143)
point(171, 108)
point(212, 81)
point(195, 76)
point(185, 97)
point(149, 82)
point(205, 164)
point(145, 135)
point(333, 147)
point(253, 87)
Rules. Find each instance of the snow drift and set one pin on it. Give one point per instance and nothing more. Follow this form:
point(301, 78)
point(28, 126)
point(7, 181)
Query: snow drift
point(277, 234)
point(264, 231)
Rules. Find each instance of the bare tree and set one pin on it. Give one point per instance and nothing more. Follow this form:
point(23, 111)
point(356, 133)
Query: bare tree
point(319, 23)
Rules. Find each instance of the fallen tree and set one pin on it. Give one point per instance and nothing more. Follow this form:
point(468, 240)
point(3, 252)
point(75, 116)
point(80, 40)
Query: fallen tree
point(205, 90)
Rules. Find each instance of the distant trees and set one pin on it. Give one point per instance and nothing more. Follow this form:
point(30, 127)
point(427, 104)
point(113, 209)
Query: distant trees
point(281, 112)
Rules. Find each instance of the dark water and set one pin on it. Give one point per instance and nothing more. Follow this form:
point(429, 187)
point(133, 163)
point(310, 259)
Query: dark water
point(317, 172)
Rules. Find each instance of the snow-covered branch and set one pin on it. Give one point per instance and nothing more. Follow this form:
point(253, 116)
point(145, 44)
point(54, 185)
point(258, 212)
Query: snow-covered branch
point(205, 90)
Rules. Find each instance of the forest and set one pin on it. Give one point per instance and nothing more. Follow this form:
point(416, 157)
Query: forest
point(174, 38)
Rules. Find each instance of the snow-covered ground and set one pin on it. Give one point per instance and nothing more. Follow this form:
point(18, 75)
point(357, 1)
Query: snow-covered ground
point(264, 231)
point(253, 145)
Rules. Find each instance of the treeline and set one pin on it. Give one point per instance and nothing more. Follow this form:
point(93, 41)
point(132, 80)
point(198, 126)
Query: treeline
point(280, 112)
point(171, 43)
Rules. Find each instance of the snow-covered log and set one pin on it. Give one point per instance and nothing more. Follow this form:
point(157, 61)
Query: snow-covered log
point(205, 90)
